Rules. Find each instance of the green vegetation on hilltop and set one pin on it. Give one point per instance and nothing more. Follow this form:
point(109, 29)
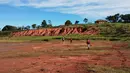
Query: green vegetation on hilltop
point(106, 69)
point(115, 29)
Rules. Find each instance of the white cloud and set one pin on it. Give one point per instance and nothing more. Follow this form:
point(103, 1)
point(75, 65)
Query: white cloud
point(84, 8)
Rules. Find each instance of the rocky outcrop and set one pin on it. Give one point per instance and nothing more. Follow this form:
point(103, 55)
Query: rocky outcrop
point(57, 31)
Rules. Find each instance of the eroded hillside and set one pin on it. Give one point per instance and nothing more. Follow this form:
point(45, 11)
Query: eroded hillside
point(58, 31)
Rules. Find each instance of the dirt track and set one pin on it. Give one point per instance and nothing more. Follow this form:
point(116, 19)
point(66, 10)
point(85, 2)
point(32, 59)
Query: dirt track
point(58, 57)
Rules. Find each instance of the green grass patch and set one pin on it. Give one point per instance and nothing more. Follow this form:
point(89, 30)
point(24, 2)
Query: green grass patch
point(105, 69)
point(29, 38)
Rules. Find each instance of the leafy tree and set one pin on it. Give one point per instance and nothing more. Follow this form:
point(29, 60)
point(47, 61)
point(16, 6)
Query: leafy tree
point(27, 27)
point(120, 20)
point(109, 18)
point(49, 25)
point(33, 26)
point(44, 24)
point(114, 18)
point(68, 22)
point(85, 20)
point(49, 21)
point(38, 27)
point(9, 28)
point(117, 16)
point(125, 18)
point(76, 22)
point(19, 28)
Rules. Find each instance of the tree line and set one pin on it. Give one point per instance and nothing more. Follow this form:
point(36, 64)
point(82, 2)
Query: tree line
point(35, 26)
point(119, 18)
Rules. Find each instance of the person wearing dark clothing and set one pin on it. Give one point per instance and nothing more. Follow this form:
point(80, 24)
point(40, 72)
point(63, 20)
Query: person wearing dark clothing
point(70, 40)
point(63, 39)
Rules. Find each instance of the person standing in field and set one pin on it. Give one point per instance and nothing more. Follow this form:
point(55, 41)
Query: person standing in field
point(63, 39)
point(71, 40)
point(88, 43)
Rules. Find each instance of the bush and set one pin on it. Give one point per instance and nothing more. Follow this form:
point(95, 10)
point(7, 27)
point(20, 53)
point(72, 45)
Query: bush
point(45, 40)
point(114, 39)
point(99, 38)
point(57, 38)
point(9, 28)
point(4, 33)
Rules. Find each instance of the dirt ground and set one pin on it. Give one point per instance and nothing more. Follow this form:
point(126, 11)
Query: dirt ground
point(62, 57)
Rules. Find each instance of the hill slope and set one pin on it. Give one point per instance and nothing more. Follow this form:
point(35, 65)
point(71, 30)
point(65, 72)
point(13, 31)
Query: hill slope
point(57, 31)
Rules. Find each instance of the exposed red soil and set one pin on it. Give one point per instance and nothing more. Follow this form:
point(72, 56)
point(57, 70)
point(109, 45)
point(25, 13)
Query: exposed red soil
point(61, 64)
point(57, 31)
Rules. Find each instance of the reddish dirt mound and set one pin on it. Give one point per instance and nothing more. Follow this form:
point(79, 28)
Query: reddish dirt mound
point(57, 31)
point(91, 31)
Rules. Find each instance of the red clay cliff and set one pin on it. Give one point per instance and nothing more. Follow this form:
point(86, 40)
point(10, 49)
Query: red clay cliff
point(57, 31)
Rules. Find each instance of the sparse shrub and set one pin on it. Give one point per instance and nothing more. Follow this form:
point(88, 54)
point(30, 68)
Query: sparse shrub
point(46, 40)
point(57, 38)
point(4, 33)
point(114, 39)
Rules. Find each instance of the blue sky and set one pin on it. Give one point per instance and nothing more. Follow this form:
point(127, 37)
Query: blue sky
point(20, 16)
point(27, 12)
